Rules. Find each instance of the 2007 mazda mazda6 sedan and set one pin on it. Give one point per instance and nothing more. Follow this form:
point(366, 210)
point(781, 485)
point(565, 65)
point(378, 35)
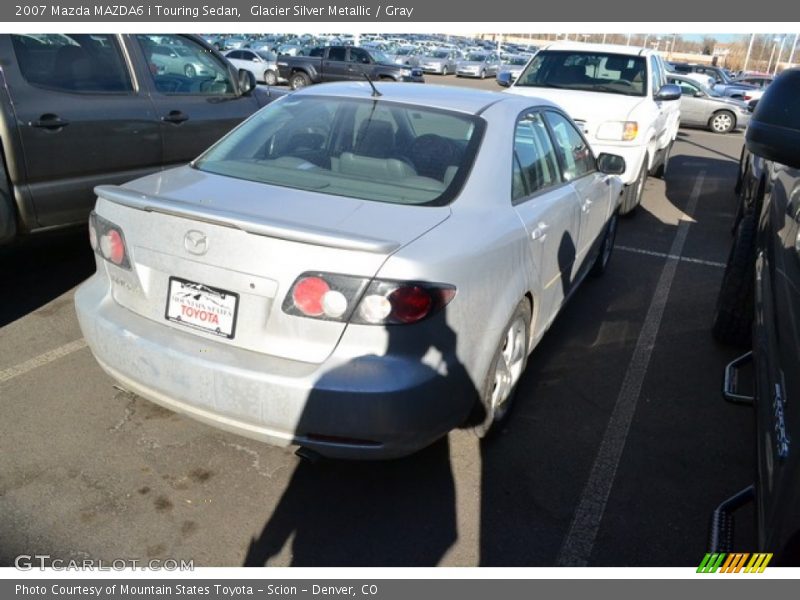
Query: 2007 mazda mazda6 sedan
point(356, 271)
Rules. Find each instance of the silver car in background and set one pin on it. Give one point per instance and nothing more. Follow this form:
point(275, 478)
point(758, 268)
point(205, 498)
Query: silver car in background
point(261, 63)
point(514, 64)
point(478, 64)
point(703, 107)
point(352, 273)
point(441, 61)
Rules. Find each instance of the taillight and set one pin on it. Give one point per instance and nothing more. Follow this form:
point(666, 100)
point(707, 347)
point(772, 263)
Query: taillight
point(107, 241)
point(343, 298)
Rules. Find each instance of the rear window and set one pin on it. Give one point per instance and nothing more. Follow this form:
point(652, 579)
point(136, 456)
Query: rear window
point(589, 71)
point(371, 150)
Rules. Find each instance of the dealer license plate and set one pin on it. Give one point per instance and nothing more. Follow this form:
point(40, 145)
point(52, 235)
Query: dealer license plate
point(202, 307)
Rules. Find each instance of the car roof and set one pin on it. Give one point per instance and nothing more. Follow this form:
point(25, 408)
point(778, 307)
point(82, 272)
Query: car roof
point(458, 99)
point(584, 47)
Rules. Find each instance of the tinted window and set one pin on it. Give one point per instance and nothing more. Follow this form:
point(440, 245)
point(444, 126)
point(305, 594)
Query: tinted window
point(535, 165)
point(236, 54)
point(317, 52)
point(358, 55)
point(591, 71)
point(188, 69)
point(337, 53)
point(574, 154)
point(353, 148)
point(74, 63)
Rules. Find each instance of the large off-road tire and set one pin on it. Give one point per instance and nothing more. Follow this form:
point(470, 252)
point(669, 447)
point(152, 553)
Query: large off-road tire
point(733, 316)
point(632, 194)
point(505, 370)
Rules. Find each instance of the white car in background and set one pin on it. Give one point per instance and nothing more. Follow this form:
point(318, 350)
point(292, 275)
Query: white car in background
point(261, 63)
point(618, 95)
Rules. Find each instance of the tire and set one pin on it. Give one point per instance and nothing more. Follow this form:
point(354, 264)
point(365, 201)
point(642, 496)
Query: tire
point(733, 315)
point(661, 170)
point(632, 193)
point(483, 74)
point(506, 368)
point(189, 71)
point(606, 247)
point(270, 78)
point(444, 71)
point(722, 121)
point(299, 80)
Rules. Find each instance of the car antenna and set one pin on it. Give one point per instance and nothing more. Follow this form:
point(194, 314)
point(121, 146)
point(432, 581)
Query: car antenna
point(375, 92)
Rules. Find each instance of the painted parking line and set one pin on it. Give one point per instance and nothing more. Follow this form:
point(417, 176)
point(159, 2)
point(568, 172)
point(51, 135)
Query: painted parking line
point(41, 360)
point(698, 261)
point(579, 541)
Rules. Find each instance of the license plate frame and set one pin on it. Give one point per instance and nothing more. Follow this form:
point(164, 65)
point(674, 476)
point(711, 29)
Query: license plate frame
point(200, 307)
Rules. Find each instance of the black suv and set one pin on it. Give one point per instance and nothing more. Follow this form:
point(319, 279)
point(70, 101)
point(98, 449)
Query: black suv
point(760, 295)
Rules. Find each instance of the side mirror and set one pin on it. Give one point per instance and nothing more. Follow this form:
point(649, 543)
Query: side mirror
point(504, 79)
point(611, 164)
point(669, 91)
point(698, 94)
point(774, 130)
point(247, 82)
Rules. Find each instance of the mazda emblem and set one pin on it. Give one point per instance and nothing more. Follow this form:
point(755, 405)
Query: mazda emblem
point(195, 242)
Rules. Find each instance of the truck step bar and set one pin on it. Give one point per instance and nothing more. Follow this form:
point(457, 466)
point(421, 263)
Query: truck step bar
point(730, 385)
point(721, 530)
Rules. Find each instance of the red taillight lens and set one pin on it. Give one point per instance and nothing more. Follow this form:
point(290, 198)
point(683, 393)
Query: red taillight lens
point(107, 241)
point(307, 295)
point(410, 304)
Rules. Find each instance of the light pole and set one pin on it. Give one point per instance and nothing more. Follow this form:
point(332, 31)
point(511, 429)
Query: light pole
point(772, 54)
point(778, 59)
point(794, 47)
point(749, 50)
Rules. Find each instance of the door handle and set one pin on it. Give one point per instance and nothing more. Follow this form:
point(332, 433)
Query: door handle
point(586, 204)
point(540, 232)
point(49, 121)
point(175, 116)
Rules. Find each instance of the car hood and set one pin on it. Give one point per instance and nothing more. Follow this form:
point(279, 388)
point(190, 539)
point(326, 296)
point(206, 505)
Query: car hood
point(279, 212)
point(470, 63)
point(591, 107)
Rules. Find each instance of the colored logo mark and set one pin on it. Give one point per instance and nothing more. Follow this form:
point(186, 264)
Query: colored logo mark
point(734, 563)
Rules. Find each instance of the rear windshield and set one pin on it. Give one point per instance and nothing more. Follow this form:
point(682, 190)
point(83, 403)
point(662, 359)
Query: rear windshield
point(590, 71)
point(367, 149)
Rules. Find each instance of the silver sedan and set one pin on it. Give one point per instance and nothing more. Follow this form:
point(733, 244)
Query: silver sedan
point(478, 64)
point(440, 62)
point(354, 273)
point(703, 107)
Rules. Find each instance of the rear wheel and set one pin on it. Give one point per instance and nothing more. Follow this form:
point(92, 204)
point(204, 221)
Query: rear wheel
point(505, 370)
point(722, 121)
point(632, 194)
point(606, 247)
point(733, 317)
point(299, 80)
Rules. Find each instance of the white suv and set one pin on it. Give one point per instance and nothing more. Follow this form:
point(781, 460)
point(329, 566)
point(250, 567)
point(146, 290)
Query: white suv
point(620, 98)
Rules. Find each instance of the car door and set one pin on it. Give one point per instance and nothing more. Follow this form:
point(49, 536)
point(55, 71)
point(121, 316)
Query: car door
point(579, 168)
point(82, 121)
point(194, 111)
point(548, 208)
point(694, 103)
point(334, 64)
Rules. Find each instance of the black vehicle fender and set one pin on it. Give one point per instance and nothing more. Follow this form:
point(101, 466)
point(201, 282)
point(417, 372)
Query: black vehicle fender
point(309, 70)
point(8, 213)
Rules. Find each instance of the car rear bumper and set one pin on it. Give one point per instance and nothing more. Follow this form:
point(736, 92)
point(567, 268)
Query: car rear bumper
point(366, 407)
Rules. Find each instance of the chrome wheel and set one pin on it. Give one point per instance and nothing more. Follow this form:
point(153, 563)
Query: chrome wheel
point(508, 367)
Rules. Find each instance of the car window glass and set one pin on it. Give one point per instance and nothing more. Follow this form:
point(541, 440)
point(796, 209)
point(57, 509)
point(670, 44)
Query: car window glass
point(535, 165)
point(236, 55)
point(576, 157)
point(357, 55)
point(687, 89)
point(337, 53)
point(74, 63)
point(190, 69)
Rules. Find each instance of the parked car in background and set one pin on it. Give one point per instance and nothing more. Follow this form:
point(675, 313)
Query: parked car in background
point(71, 118)
point(703, 107)
point(441, 61)
point(618, 95)
point(513, 64)
point(180, 59)
point(343, 63)
point(759, 307)
point(320, 276)
point(746, 88)
point(406, 55)
point(262, 64)
point(478, 64)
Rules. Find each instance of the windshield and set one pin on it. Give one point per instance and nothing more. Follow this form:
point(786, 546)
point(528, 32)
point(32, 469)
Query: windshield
point(366, 149)
point(404, 51)
point(440, 54)
point(476, 57)
point(379, 56)
point(589, 71)
point(267, 55)
point(517, 60)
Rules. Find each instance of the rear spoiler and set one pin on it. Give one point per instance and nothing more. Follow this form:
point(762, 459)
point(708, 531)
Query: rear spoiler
point(274, 228)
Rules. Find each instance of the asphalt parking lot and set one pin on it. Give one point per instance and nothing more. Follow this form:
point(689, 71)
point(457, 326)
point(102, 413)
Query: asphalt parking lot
point(619, 448)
